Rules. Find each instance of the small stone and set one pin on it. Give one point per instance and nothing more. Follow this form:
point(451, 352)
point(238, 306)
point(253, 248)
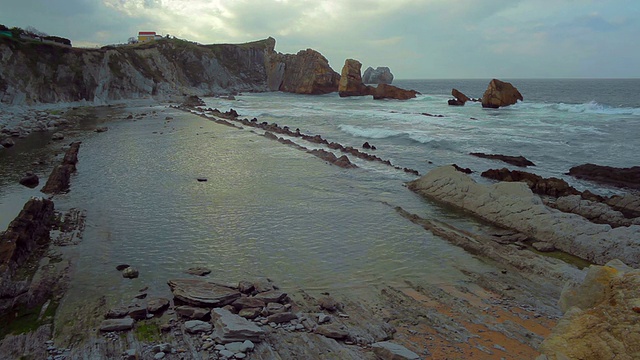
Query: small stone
point(200, 271)
point(281, 317)
point(141, 296)
point(57, 136)
point(156, 305)
point(543, 246)
point(202, 179)
point(240, 355)
point(130, 354)
point(226, 353)
point(101, 129)
point(8, 142)
point(116, 324)
point(159, 355)
point(328, 303)
point(122, 267)
point(389, 350)
point(323, 318)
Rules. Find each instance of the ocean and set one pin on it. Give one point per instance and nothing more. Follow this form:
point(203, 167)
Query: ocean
point(271, 210)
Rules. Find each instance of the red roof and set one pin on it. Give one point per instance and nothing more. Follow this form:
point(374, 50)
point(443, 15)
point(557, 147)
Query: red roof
point(147, 33)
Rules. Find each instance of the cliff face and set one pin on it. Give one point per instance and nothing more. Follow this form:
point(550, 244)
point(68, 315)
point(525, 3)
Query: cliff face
point(307, 72)
point(33, 72)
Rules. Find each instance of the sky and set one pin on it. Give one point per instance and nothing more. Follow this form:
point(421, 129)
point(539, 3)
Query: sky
point(416, 39)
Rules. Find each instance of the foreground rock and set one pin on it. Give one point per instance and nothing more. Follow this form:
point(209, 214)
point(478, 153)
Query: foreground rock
point(601, 319)
point(513, 160)
point(392, 351)
point(60, 177)
point(202, 293)
point(607, 175)
point(351, 81)
point(230, 327)
point(30, 180)
point(379, 75)
point(27, 231)
point(499, 94)
point(514, 206)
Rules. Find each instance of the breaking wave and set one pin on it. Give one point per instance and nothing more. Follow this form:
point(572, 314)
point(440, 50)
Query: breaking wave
point(591, 107)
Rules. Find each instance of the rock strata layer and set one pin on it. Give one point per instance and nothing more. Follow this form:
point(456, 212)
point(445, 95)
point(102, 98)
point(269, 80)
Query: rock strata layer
point(60, 177)
point(514, 206)
point(202, 293)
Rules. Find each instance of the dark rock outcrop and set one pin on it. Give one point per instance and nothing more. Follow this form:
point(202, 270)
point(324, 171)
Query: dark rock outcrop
point(459, 98)
point(351, 81)
point(384, 91)
point(27, 231)
point(500, 93)
point(192, 101)
point(513, 160)
point(381, 75)
point(607, 175)
point(202, 293)
point(60, 177)
point(552, 186)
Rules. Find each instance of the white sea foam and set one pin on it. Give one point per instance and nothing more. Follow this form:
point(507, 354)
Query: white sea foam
point(371, 133)
point(591, 107)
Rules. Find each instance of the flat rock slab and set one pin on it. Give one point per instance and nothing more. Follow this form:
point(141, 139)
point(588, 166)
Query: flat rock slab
point(197, 326)
point(391, 351)
point(274, 296)
point(192, 312)
point(230, 327)
point(202, 293)
point(117, 324)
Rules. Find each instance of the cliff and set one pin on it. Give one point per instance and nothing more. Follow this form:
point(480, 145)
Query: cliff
point(34, 72)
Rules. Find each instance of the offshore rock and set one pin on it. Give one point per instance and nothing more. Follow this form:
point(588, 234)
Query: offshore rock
point(384, 91)
point(307, 72)
point(601, 319)
point(381, 75)
point(27, 231)
point(514, 206)
point(459, 98)
point(607, 175)
point(202, 293)
point(500, 93)
point(229, 327)
point(351, 81)
point(513, 160)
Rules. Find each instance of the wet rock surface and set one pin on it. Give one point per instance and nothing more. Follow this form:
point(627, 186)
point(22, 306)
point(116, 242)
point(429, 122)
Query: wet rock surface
point(513, 160)
point(607, 175)
point(499, 94)
point(60, 178)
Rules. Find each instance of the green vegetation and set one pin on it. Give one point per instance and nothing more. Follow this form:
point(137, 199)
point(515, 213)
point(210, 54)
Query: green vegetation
point(23, 319)
point(147, 331)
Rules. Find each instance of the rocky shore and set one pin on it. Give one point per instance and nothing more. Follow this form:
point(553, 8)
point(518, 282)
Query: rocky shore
point(509, 311)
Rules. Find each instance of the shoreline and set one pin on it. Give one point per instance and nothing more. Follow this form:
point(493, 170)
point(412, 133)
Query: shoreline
point(492, 298)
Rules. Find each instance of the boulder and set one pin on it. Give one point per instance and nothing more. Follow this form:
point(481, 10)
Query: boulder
point(130, 273)
point(202, 293)
point(229, 327)
point(271, 296)
point(381, 75)
point(117, 324)
point(601, 318)
point(351, 81)
point(513, 160)
point(248, 302)
point(607, 175)
point(514, 206)
point(57, 136)
point(30, 180)
point(199, 271)
point(193, 101)
point(282, 317)
point(156, 305)
point(500, 93)
point(307, 72)
point(386, 350)
point(384, 91)
point(27, 231)
point(333, 331)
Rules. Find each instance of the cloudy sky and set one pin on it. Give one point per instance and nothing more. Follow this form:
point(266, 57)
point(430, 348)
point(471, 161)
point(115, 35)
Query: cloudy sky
point(415, 38)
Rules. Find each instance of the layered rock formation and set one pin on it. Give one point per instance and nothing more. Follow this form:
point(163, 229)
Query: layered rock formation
point(379, 75)
point(500, 93)
point(307, 72)
point(351, 81)
point(601, 319)
point(351, 85)
point(42, 73)
point(514, 206)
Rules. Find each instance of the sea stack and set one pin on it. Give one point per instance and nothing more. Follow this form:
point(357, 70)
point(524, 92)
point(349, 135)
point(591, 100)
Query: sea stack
point(500, 93)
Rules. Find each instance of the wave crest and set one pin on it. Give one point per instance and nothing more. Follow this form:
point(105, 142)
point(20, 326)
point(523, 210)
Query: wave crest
point(591, 107)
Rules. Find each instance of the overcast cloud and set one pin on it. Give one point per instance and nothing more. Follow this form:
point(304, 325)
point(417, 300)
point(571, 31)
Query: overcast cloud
point(415, 38)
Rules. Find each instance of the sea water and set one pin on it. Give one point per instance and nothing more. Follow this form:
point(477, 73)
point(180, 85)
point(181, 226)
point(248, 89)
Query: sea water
point(271, 210)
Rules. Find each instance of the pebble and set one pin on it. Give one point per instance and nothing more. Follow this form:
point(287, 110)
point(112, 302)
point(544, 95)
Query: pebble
point(159, 355)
